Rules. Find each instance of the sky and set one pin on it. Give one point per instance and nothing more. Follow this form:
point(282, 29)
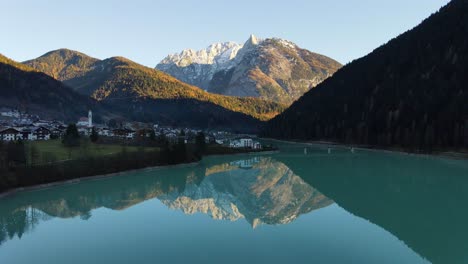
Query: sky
point(148, 30)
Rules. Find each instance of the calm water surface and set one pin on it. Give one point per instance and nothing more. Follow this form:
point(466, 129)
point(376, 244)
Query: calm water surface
point(289, 207)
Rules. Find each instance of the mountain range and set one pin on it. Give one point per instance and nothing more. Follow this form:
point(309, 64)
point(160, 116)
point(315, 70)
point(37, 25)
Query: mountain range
point(146, 94)
point(244, 84)
point(272, 69)
point(410, 93)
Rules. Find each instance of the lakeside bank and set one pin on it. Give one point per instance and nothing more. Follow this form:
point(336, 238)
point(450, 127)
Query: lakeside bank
point(442, 154)
point(63, 168)
point(89, 178)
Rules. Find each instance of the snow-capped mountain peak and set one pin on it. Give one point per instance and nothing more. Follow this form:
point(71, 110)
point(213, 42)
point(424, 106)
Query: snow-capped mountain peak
point(214, 54)
point(274, 69)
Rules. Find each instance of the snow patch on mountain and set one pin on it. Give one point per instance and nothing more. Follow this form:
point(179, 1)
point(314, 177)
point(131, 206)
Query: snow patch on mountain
point(273, 69)
point(198, 67)
point(218, 54)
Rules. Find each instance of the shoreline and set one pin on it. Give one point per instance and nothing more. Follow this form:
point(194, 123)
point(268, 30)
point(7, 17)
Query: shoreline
point(446, 154)
point(268, 152)
point(90, 178)
point(115, 174)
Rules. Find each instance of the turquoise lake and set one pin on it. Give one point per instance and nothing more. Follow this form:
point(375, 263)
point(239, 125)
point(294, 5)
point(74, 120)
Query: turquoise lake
point(295, 206)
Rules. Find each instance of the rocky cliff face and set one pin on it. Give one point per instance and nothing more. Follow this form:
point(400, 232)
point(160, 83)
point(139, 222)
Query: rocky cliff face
point(198, 67)
point(273, 69)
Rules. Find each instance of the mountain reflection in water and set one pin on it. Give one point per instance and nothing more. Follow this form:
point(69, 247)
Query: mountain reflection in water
point(259, 189)
point(419, 200)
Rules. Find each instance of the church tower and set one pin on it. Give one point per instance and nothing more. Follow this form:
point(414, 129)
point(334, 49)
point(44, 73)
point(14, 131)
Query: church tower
point(90, 119)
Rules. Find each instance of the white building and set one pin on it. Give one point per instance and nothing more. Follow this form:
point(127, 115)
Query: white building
point(106, 132)
point(10, 134)
point(245, 143)
point(241, 143)
point(86, 121)
point(83, 122)
point(40, 133)
point(25, 133)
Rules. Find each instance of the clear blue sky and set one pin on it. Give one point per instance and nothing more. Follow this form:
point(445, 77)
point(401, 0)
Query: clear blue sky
point(147, 30)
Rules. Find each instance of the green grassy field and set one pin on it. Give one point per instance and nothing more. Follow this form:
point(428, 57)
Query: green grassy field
point(54, 150)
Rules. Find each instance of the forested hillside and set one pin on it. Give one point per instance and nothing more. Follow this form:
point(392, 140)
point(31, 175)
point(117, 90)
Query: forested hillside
point(410, 93)
point(24, 88)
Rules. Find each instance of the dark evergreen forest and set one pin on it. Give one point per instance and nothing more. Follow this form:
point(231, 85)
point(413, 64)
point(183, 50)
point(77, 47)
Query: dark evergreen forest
point(411, 93)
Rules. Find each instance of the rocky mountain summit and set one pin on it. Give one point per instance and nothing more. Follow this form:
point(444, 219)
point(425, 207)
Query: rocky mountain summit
point(198, 67)
point(272, 69)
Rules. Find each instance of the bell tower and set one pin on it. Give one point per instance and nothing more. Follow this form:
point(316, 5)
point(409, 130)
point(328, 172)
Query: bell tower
point(90, 118)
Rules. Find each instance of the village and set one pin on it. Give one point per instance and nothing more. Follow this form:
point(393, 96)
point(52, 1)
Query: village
point(15, 125)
